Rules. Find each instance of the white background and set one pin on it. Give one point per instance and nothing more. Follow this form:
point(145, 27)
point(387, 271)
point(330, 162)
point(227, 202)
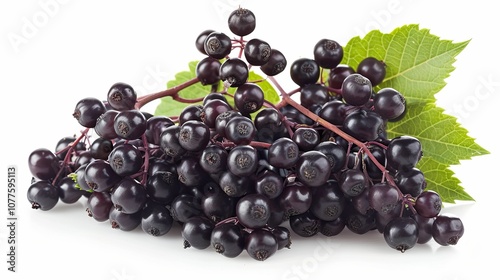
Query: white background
point(54, 54)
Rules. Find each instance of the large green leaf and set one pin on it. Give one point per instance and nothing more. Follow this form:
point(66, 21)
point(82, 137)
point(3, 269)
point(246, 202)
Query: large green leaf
point(417, 61)
point(442, 137)
point(417, 65)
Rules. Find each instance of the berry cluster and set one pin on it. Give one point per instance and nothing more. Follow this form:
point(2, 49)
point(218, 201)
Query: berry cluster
point(244, 177)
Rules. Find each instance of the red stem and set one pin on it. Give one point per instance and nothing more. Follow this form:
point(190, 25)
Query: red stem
point(69, 154)
point(174, 92)
point(331, 127)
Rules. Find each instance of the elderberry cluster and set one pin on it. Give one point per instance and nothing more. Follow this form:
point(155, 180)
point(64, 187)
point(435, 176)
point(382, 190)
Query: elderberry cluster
point(239, 174)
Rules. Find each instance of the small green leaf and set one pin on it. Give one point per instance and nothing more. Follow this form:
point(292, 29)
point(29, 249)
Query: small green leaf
point(170, 107)
point(74, 178)
point(417, 65)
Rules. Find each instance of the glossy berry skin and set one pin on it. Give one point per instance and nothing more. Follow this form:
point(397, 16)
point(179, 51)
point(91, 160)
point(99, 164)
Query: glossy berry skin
point(233, 185)
point(169, 143)
point(200, 40)
point(156, 219)
point(80, 178)
point(129, 196)
point(241, 22)
point(194, 135)
point(269, 183)
point(403, 152)
point(234, 72)
point(99, 205)
point(283, 237)
point(242, 160)
point(228, 240)
point(121, 96)
point(305, 224)
point(428, 204)
point(88, 110)
point(372, 170)
point(332, 228)
point(257, 52)
point(283, 153)
point(328, 53)
point(104, 126)
point(208, 71)
point(334, 111)
point(43, 195)
point(253, 210)
point(155, 126)
point(269, 125)
point(125, 159)
point(43, 164)
point(197, 232)
point(163, 187)
point(383, 198)
point(338, 74)
point(261, 244)
point(304, 71)
point(241, 130)
point(222, 119)
point(130, 124)
point(68, 193)
point(248, 98)
point(389, 103)
point(328, 201)
point(295, 199)
point(313, 168)
point(411, 181)
point(190, 171)
point(124, 221)
point(373, 69)
point(424, 228)
point(192, 112)
point(356, 90)
point(212, 109)
point(217, 45)
point(184, 207)
point(364, 125)
point(213, 159)
point(276, 64)
point(447, 230)
point(101, 148)
point(401, 233)
point(100, 176)
point(313, 94)
point(217, 205)
point(306, 138)
point(334, 152)
point(352, 182)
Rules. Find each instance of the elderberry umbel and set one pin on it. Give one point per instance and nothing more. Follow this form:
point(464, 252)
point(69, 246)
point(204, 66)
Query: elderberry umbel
point(236, 173)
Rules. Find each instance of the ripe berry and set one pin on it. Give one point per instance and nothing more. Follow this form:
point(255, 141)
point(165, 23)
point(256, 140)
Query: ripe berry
point(241, 22)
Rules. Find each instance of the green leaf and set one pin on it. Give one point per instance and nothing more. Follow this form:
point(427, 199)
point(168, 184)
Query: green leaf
point(74, 178)
point(417, 61)
point(417, 65)
point(441, 179)
point(170, 107)
point(442, 137)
